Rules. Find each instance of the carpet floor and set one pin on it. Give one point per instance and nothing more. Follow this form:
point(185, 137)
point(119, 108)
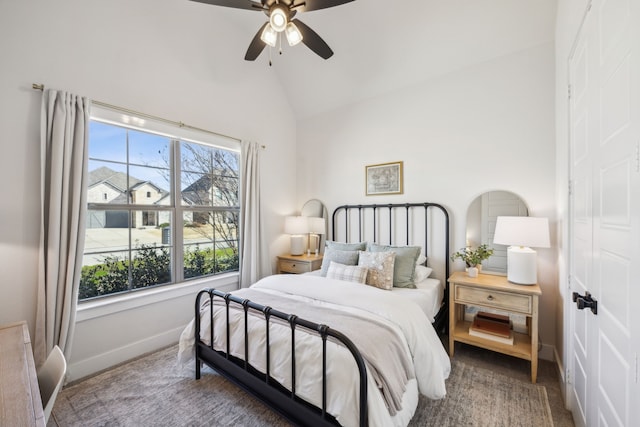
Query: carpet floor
point(153, 391)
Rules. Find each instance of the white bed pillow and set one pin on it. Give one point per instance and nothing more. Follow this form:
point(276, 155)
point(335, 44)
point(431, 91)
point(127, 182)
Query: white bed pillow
point(422, 273)
point(350, 273)
point(421, 259)
point(380, 268)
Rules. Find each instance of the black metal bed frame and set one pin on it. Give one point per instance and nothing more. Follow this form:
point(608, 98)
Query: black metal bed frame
point(262, 385)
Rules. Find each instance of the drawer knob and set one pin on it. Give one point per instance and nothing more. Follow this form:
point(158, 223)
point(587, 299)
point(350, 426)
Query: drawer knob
point(490, 298)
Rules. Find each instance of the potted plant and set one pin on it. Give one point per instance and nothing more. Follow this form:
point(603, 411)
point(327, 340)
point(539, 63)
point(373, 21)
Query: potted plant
point(473, 257)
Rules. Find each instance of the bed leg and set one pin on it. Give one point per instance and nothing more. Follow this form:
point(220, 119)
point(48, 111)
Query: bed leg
point(198, 367)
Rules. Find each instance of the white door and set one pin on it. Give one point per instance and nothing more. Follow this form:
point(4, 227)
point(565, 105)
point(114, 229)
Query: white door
point(604, 224)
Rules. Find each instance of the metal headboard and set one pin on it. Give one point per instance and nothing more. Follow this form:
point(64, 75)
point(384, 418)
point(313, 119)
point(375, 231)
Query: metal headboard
point(394, 224)
point(374, 214)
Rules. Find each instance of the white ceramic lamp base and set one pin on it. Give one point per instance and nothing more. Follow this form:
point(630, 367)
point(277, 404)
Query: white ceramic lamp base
point(297, 244)
point(521, 265)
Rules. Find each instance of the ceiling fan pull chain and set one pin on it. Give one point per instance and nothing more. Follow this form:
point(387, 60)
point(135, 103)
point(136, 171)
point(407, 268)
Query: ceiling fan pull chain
point(270, 56)
point(280, 43)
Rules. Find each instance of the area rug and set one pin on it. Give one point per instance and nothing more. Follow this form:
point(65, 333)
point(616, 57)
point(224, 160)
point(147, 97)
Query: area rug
point(153, 391)
point(480, 397)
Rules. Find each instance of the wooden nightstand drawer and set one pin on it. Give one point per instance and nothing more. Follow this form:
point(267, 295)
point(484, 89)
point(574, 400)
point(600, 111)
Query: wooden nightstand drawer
point(296, 264)
point(496, 299)
point(294, 267)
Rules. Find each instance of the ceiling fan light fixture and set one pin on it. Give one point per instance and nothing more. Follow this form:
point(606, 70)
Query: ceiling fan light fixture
point(278, 17)
point(294, 36)
point(269, 35)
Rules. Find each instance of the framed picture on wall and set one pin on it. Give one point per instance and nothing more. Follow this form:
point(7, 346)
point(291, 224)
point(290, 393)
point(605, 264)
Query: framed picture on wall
point(385, 178)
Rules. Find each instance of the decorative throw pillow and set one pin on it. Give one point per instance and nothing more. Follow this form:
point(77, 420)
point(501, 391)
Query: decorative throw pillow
point(405, 263)
point(341, 257)
point(350, 273)
point(360, 246)
point(380, 268)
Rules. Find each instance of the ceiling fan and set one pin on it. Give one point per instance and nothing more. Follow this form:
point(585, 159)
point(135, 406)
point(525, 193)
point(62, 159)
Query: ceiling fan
point(281, 13)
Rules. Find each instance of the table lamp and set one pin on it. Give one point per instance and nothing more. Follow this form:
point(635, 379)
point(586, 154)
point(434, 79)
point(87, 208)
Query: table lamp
point(316, 228)
point(297, 227)
point(522, 233)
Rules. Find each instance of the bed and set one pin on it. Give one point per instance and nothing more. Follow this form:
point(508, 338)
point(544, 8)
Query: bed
point(323, 350)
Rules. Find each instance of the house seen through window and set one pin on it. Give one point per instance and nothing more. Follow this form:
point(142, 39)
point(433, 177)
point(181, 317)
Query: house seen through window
point(161, 209)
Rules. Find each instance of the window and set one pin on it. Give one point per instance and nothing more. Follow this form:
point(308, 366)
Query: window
point(163, 207)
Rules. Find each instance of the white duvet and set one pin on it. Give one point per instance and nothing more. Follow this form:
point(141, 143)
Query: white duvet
point(430, 361)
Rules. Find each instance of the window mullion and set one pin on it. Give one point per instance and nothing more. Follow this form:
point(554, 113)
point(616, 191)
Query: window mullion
point(130, 214)
point(178, 246)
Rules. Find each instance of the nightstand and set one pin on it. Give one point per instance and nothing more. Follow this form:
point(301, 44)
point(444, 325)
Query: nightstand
point(296, 264)
point(495, 292)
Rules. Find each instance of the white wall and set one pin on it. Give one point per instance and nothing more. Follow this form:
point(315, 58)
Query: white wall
point(486, 127)
point(160, 57)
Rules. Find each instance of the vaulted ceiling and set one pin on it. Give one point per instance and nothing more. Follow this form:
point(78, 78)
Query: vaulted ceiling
point(383, 45)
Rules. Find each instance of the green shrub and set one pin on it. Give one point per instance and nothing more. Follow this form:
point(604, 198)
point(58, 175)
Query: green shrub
point(151, 266)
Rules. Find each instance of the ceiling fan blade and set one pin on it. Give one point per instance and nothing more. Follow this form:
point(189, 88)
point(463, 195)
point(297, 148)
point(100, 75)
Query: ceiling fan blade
point(237, 4)
point(313, 40)
point(309, 5)
point(256, 46)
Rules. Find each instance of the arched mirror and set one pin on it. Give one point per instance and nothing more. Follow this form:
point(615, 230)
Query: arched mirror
point(481, 225)
point(314, 208)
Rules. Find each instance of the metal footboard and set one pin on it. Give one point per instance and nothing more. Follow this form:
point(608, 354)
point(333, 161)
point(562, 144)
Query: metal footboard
point(262, 385)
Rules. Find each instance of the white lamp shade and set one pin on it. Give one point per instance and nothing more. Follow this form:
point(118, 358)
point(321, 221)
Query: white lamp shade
point(296, 225)
point(523, 231)
point(316, 225)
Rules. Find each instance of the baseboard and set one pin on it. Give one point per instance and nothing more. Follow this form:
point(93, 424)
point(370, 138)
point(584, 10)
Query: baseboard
point(561, 376)
point(547, 352)
point(96, 364)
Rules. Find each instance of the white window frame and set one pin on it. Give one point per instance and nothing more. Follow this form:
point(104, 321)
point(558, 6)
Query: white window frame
point(172, 131)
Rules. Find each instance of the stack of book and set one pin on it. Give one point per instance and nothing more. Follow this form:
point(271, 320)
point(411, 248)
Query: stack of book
point(491, 326)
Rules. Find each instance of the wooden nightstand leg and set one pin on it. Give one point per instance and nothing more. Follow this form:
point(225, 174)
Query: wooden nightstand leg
point(453, 314)
point(533, 329)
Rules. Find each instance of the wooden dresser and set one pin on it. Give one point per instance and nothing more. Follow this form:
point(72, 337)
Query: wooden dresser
point(20, 403)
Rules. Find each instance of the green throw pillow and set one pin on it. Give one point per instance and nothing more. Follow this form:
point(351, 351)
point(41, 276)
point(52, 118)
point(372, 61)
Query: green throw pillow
point(405, 264)
point(360, 246)
point(341, 257)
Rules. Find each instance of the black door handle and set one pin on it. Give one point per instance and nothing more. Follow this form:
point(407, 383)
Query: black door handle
point(585, 301)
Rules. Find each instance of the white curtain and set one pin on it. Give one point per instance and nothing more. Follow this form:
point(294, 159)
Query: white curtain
point(252, 255)
point(64, 135)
